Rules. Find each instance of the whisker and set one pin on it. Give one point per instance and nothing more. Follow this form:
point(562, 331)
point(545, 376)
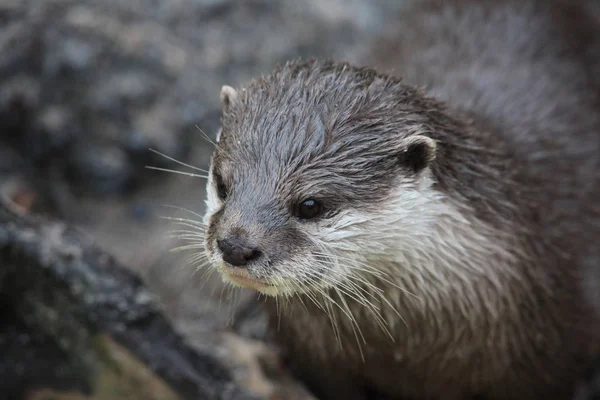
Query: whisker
point(189, 237)
point(192, 241)
point(328, 311)
point(381, 321)
point(197, 261)
point(328, 301)
point(353, 322)
point(183, 209)
point(378, 290)
point(366, 267)
point(196, 232)
point(191, 231)
point(299, 297)
point(223, 287)
point(382, 298)
point(231, 311)
point(334, 323)
point(355, 327)
point(347, 290)
point(190, 223)
point(187, 247)
point(197, 256)
point(379, 274)
point(238, 299)
point(206, 137)
point(355, 292)
point(200, 267)
point(173, 171)
point(206, 277)
point(278, 311)
point(177, 161)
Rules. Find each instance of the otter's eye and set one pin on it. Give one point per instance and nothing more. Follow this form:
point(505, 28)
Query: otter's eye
point(309, 209)
point(221, 188)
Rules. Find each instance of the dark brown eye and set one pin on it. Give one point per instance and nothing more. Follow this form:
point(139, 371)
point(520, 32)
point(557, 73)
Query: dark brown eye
point(221, 188)
point(309, 209)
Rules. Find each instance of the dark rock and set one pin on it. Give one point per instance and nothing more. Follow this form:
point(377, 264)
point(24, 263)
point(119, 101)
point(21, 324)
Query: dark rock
point(71, 306)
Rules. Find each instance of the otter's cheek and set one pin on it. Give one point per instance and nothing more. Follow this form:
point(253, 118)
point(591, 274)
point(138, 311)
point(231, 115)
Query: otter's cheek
point(213, 257)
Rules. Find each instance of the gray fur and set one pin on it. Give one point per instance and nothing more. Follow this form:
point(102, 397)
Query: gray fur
point(508, 120)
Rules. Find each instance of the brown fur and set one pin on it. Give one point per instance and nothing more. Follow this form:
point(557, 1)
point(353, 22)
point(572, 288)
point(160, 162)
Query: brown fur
point(508, 305)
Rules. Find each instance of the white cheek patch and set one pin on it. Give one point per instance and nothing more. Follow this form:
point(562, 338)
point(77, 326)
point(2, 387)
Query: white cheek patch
point(212, 199)
point(409, 214)
point(427, 246)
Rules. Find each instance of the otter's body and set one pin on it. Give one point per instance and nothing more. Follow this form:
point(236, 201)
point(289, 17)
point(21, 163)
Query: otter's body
point(455, 252)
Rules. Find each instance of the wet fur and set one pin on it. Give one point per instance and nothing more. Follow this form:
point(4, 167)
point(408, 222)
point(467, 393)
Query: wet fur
point(488, 254)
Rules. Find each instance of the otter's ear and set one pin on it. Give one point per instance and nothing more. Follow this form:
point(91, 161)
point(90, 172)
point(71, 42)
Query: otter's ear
point(228, 96)
point(417, 153)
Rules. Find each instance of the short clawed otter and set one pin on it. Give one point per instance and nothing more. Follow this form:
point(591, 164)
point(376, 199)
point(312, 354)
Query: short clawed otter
point(425, 247)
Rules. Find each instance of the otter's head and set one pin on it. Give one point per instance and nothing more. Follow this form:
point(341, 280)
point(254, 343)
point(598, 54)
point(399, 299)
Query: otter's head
point(318, 168)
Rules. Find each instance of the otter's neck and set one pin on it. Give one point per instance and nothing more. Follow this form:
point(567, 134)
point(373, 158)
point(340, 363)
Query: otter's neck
point(455, 270)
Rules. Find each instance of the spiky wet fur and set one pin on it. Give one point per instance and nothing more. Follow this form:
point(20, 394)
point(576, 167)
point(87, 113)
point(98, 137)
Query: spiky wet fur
point(474, 276)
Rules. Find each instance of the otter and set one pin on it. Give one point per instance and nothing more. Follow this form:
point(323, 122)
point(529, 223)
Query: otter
point(431, 232)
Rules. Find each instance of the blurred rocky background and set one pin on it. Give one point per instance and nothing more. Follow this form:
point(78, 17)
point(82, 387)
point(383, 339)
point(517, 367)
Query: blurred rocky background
point(87, 87)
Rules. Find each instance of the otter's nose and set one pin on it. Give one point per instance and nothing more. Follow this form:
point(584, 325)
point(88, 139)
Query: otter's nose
point(236, 252)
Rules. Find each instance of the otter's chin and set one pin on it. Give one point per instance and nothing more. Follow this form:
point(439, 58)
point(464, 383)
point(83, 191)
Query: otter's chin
point(241, 278)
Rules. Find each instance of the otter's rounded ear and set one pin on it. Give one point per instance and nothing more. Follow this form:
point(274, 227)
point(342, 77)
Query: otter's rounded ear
point(418, 152)
point(228, 96)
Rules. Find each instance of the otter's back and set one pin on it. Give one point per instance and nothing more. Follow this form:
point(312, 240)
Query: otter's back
point(529, 72)
point(529, 69)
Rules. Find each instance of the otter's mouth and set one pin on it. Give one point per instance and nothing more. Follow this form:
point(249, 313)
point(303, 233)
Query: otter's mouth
point(241, 278)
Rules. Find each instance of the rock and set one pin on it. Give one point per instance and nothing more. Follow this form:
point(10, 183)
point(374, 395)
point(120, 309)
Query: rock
point(76, 325)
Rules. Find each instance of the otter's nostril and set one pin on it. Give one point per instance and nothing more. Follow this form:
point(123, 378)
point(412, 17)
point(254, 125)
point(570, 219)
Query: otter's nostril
point(253, 255)
point(225, 245)
point(236, 253)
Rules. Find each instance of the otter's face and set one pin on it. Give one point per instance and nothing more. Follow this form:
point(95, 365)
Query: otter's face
point(307, 170)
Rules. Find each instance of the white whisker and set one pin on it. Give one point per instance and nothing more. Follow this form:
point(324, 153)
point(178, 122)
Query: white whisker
point(207, 138)
point(177, 161)
point(184, 209)
point(187, 247)
point(173, 171)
